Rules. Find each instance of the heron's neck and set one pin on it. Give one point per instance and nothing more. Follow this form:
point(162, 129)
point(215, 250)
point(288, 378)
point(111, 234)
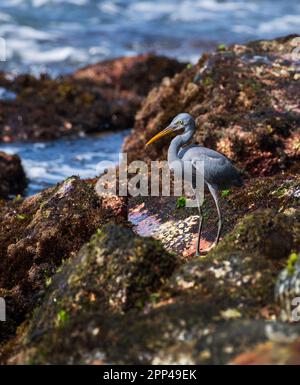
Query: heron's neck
point(177, 143)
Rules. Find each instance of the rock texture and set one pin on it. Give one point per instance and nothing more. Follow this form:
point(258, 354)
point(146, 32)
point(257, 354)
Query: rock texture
point(100, 97)
point(177, 227)
point(245, 100)
point(117, 271)
point(37, 234)
point(12, 176)
point(124, 299)
point(283, 351)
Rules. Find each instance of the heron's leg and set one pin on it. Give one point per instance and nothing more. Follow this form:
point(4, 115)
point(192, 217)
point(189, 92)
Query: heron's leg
point(200, 223)
point(214, 194)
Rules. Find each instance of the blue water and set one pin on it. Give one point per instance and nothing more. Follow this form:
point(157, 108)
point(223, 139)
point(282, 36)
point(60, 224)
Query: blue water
point(46, 164)
point(60, 35)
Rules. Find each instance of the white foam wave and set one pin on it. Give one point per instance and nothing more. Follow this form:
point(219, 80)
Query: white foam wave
point(40, 3)
point(5, 17)
point(281, 24)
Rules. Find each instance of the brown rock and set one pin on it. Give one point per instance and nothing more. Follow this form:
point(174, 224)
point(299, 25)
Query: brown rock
point(137, 74)
point(99, 97)
point(39, 233)
point(271, 353)
point(12, 176)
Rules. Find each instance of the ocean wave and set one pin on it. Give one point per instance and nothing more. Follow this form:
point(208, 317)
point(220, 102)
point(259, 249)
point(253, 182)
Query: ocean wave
point(61, 35)
point(48, 163)
point(280, 24)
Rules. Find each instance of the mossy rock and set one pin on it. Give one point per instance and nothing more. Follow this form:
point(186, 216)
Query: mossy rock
point(242, 271)
point(179, 333)
point(105, 307)
point(38, 233)
point(115, 272)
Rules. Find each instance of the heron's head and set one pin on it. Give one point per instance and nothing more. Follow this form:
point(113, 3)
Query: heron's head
point(183, 122)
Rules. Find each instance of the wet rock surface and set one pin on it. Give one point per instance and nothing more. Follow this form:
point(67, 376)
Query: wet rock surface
point(155, 309)
point(241, 272)
point(177, 227)
point(244, 100)
point(38, 233)
point(12, 176)
point(117, 271)
point(140, 304)
point(100, 97)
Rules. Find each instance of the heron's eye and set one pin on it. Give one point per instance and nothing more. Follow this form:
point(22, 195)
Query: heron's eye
point(180, 122)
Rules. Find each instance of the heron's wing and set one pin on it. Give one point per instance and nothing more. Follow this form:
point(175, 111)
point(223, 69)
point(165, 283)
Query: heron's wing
point(218, 170)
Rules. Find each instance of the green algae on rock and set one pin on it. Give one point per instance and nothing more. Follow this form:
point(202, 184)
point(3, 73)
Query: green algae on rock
point(179, 333)
point(105, 306)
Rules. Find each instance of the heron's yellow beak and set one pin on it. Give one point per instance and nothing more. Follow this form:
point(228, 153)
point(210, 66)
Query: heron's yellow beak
point(164, 132)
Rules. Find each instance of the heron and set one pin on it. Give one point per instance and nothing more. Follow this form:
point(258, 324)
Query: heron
point(219, 172)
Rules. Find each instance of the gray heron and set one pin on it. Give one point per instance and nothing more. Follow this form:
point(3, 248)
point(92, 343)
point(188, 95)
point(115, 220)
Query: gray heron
point(219, 172)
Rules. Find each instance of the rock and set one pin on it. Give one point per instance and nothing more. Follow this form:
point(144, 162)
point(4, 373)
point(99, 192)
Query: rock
point(171, 334)
point(137, 74)
point(287, 291)
point(104, 304)
point(104, 96)
point(241, 272)
point(282, 352)
point(160, 217)
point(244, 100)
point(115, 272)
point(12, 176)
point(38, 233)
point(185, 334)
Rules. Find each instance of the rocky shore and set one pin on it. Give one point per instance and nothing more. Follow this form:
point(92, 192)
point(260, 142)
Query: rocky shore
point(114, 280)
